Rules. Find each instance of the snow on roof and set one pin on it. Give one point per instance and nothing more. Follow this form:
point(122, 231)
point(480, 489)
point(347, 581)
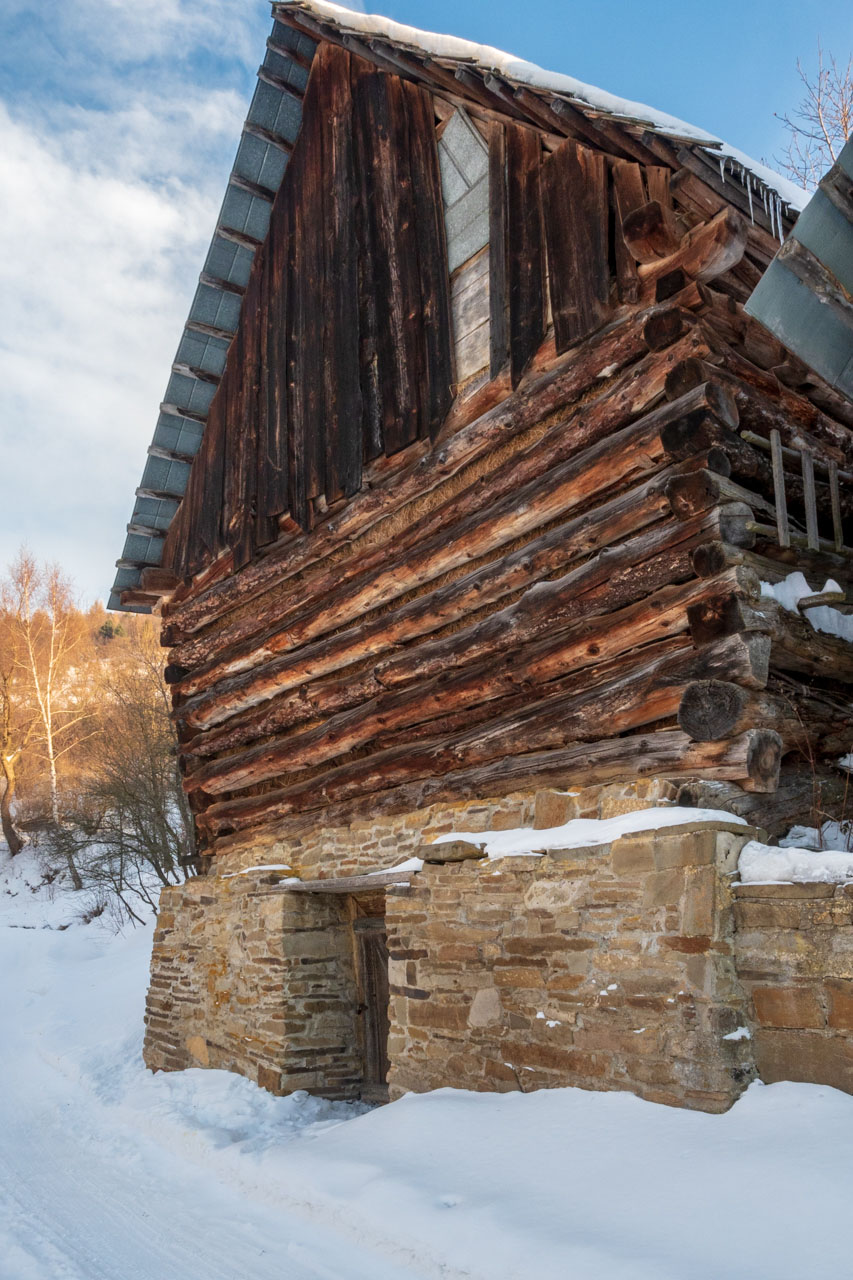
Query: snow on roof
point(487, 58)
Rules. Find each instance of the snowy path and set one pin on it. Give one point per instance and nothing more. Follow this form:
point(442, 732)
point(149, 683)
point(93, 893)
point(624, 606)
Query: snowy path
point(83, 1194)
point(110, 1173)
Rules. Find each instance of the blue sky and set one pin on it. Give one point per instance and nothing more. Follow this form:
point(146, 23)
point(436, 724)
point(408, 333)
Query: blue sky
point(118, 123)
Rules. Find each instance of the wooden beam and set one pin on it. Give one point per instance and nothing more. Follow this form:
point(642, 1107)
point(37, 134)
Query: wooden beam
point(174, 411)
point(216, 282)
point(276, 82)
point(209, 330)
point(200, 375)
point(283, 51)
point(239, 237)
point(276, 140)
point(253, 188)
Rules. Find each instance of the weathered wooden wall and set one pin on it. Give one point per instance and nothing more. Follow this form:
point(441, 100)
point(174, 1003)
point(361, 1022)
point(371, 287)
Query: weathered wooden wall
point(558, 577)
point(343, 353)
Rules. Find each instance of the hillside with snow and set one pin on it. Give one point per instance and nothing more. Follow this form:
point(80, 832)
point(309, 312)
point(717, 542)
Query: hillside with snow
point(110, 1173)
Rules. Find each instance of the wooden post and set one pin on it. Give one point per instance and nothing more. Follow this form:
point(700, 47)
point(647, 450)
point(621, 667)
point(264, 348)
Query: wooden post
point(779, 488)
point(810, 499)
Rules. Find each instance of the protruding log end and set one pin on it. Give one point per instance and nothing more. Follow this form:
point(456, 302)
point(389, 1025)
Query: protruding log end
point(686, 376)
point(690, 494)
point(763, 760)
point(651, 232)
point(735, 520)
point(710, 559)
point(663, 328)
point(173, 673)
point(712, 709)
point(721, 616)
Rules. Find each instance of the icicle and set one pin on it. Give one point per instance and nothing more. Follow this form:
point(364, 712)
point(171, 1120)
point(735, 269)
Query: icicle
point(723, 168)
point(779, 230)
point(749, 196)
point(772, 212)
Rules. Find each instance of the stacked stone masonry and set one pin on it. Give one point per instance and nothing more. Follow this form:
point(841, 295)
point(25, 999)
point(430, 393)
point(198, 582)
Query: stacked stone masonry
point(795, 962)
point(622, 966)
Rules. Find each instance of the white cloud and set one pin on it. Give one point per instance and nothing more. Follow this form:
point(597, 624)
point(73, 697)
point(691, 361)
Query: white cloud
point(111, 189)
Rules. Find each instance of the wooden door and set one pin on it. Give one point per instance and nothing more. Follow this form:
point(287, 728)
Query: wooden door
point(372, 949)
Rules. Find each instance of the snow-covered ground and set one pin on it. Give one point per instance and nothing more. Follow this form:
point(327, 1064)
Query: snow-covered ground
point(110, 1173)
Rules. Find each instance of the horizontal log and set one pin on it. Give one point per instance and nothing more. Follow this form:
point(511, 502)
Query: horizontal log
point(572, 374)
point(805, 720)
point(752, 759)
point(557, 549)
point(633, 689)
point(615, 577)
point(614, 461)
point(597, 635)
point(724, 613)
point(806, 793)
point(705, 252)
point(712, 558)
point(698, 490)
point(796, 646)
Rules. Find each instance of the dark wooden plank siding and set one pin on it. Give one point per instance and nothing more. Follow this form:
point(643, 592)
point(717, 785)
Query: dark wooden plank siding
point(382, 156)
point(498, 317)
point(576, 225)
point(344, 347)
point(526, 247)
point(341, 378)
point(435, 330)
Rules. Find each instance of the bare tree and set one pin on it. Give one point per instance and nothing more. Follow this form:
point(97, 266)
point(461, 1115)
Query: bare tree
point(819, 127)
point(137, 831)
point(51, 636)
point(17, 722)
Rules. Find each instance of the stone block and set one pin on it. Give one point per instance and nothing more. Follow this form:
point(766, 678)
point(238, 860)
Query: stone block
point(663, 888)
point(688, 846)
point(450, 851)
point(633, 854)
point(840, 995)
point(811, 1056)
point(787, 892)
point(518, 976)
point(269, 1078)
point(788, 1007)
point(485, 1008)
point(553, 808)
point(697, 912)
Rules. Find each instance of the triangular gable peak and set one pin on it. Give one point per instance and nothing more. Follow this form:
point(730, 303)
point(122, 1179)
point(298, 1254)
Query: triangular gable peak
point(408, 299)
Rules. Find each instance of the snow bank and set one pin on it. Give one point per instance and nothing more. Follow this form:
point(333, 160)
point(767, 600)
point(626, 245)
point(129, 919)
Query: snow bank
point(774, 864)
point(108, 1171)
point(791, 590)
point(582, 833)
point(489, 58)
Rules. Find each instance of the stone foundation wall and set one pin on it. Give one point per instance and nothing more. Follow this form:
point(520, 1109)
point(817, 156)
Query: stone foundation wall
point(365, 846)
point(794, 956)
point(612, 967)
point(250, 978)
point(609, 967)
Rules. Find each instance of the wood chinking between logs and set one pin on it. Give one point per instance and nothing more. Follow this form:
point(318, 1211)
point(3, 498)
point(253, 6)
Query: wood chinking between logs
point(551, 576)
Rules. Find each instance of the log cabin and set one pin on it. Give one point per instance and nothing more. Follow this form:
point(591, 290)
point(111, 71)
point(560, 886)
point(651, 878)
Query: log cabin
point(467, 510)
